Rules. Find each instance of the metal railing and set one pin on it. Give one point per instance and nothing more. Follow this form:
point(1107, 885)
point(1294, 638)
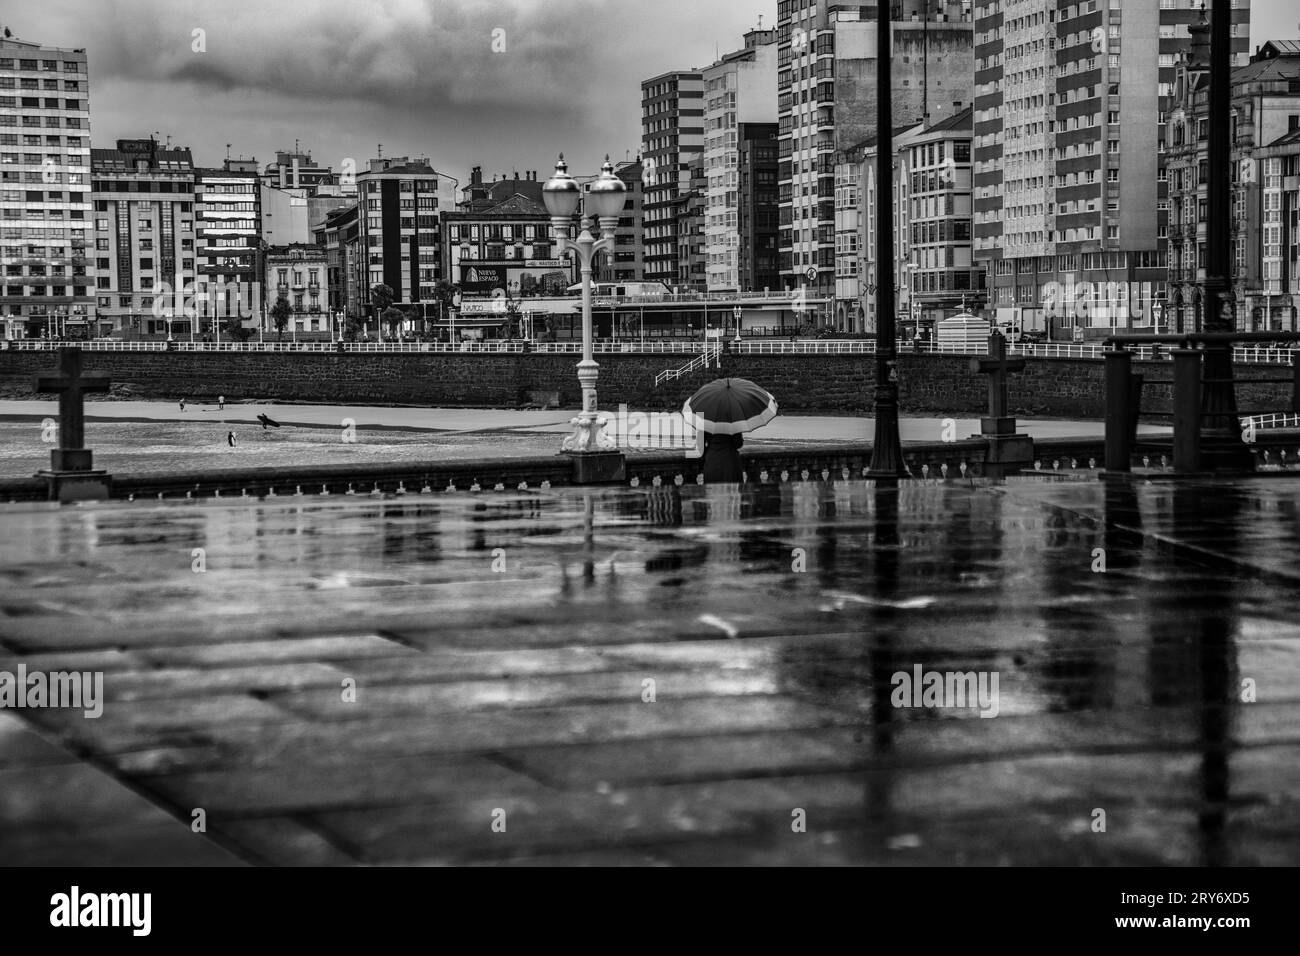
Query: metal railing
point(701, 361)
point(1243, 354)
point(1274, 420)
point(672, 298)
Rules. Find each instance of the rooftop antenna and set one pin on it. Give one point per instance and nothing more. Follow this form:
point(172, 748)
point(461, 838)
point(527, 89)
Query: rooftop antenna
point(241, 155)
point(381, 150)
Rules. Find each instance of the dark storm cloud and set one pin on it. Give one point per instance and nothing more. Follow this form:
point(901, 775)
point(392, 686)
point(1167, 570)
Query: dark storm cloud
point(386, 50)
point(421, 77)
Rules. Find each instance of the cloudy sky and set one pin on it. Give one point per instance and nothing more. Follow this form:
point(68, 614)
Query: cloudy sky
point(502, 83)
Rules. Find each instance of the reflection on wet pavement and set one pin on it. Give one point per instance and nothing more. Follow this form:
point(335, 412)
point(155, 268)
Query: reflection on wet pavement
point(672, 675)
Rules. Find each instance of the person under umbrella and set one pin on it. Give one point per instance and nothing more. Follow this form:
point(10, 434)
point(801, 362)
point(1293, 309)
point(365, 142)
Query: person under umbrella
point(724, 409)
point(267, 422)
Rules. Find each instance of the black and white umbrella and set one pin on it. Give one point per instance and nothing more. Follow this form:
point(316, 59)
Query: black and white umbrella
point(729, 406)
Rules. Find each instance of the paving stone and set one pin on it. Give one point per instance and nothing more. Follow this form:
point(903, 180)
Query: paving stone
point(536, 691)
point(22, 746)
point(298, 789)
point(521, 691)
point(144, 750)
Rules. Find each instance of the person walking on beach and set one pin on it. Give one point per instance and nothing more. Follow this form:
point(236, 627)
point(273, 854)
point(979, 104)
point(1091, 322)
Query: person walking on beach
point(230, 439)
point(182, 404)
point(221, 402)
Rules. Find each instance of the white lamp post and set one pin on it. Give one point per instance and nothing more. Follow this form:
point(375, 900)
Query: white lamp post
point(606, 195)
point(737, 312)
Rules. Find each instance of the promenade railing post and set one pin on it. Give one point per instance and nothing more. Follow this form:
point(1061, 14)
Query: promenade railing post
point(1187, 410)
point(1119, 395)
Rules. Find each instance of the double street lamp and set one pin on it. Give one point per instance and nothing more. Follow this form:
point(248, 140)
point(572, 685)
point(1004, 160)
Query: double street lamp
point(605, 197)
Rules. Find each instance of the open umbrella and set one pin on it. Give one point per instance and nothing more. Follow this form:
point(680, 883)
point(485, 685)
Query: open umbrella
point(729, 406)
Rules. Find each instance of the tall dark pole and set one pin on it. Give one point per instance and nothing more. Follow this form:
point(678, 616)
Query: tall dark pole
point(887, 451)
point(1221, 443)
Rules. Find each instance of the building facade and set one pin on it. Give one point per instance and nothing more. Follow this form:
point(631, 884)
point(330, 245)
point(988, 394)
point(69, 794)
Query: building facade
point(1265, 109)
point(739, 91)
point(298, 274)
point(283, 215)
point(45, 204)
point(338, 236)
point(758, 253)
point(1281, 159)
point(504, 248)
point(864, 317)
point(672, 137)
point(826, 101)
point(296, 170)
point(143, 197)
point(1070, 183)
point(690, 206)
point(227, 223)
point(400, 203)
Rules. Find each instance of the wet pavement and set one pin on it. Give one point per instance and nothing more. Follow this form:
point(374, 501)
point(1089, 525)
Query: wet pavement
point(663, 676)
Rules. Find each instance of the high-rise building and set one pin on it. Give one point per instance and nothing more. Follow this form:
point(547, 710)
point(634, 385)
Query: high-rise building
point(1266, 110)
point(739, 94)
point(1070, 192)
point(143, 197)
point(44, 191)
point(227, 221)
point(672, 135)
point(826, 88)
point(401, 201)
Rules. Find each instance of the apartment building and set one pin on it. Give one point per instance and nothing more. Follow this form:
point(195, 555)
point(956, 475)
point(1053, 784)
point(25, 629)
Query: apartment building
point(1071, 100)
point(298, 274)
point(827, 94)
point(739, 98)
point(45, 211)
point(672, 137)
point(1281, 304)
point(400, 233)
point(143, 198)
point(227, 223)
point(338, 236)
point(1265, 111)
